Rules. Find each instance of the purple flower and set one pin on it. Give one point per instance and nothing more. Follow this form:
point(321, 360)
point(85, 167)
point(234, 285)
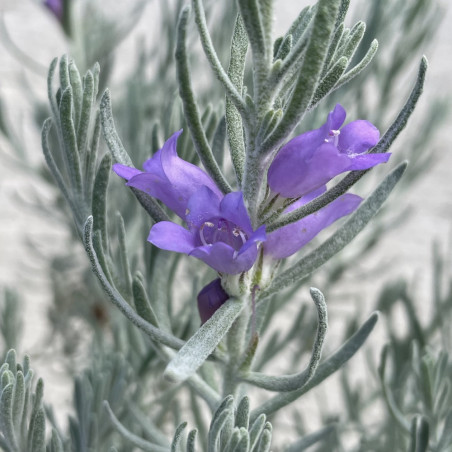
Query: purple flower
point(56, 7)
point(312, 159)
point(210, 299)
point(219, 228)
point(289, 239)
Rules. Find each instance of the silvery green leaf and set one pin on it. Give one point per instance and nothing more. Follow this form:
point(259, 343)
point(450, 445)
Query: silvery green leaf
point(308, 440)
point(191, 110)
point(419, 435)
point(178, 437)
point(134, 439)
point(37, 432)
point(99, 202)
point(6, 417)
point(70, 139)
point(445, 440)
point(77, 89)
point(153, 332)
point(111, 136)
point(328, 367)
point(242, 418)
point(294, 382)
point(223, 414)
point(234, 127)
point(309, 72)
point(191, 441)
point(85, 114)
point(198, 348)
point(256, 430)
point(19, 400)
point(265, 439)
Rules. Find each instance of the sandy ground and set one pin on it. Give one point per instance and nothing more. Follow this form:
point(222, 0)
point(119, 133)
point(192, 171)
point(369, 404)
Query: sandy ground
point(34, 31)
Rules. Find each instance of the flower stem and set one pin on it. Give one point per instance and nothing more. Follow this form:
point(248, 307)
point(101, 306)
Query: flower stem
point(236, 346)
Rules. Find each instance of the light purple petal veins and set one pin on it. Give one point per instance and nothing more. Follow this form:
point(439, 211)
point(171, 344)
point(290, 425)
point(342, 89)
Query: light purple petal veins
point(210, 298)
point(312, 159)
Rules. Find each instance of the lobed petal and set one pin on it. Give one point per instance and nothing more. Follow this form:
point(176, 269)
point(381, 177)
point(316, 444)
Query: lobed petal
point(224, 259)
point(159, 188)
point(233, 208)
point(258, 236)
point(288, 240)
point(185, 177)
point(202, 206)
point(357, 137)
point(172, 237)
point(366, 161)
point(126, 172)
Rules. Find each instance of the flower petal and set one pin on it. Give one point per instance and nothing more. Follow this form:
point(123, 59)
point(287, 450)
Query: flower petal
point(326, 163)
point(171, 179)
point(288, 240)
point(202, 206)
point(258, 236)
point(151, 184)
point(172, 237)
point(357, 137)
point(185, 177)
point(126, 172)
point(335, 118)
point(233, 208)
point(290, 166)
point(366, 161)
point(224, 259)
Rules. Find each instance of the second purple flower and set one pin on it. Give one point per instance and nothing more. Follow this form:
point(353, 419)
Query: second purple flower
point(313, 158)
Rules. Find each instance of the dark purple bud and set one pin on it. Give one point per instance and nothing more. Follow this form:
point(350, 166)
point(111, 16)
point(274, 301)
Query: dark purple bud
point(210, 299)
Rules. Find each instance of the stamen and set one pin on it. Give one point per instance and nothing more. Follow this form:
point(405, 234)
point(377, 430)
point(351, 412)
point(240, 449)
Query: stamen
point(238, 232)
point(333, 137)
point(201, 232)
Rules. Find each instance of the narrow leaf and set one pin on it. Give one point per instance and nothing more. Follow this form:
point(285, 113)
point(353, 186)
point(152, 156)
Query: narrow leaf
point(191, 441)
point(99, 203)
point(295, 382)
point(70, 139)
point(191, 109)
point(328, 367)
point(111, 136)
point(153, 332)
point(309, 73)
point(198, 348)
point(200, 18)
point(308, 440)
point(178, 437)
point(38, 432)
point(419, 435)
point(234, 127)
point(6, 415)
point(134, 439)
point(85, 114)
